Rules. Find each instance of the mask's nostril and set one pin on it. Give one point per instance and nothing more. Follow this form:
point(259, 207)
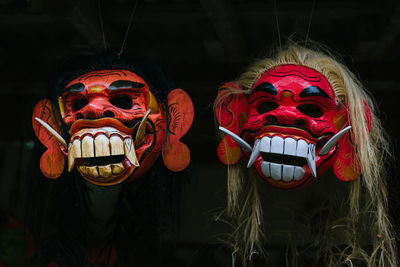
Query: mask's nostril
point(300, 123)
point(271, 119)
point(79, 116)
point(109, 114)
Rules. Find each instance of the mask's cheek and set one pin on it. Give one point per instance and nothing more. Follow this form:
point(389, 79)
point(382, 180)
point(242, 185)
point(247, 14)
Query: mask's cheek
point(152, 145)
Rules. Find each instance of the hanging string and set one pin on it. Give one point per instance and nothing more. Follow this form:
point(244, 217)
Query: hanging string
point(101, 24)
point(310, 19)
point(128, 28)
point(277, 24)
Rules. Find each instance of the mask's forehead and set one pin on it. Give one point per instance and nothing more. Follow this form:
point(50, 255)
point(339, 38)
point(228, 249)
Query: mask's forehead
point(296, 78)
point(107, 77)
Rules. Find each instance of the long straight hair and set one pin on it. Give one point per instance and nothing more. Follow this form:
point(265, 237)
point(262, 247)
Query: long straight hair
point(367, 203)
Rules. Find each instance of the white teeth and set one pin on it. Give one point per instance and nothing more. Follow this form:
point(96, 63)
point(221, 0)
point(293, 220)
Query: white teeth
point(277, 145)
point(287, 146)
point(299, 172)
point(255, 153)
point(290, 147)
point(87, 147)
point(130, 152)
point(117, 145)
point(108, 142)
point(102, 146)
point(302, 148)
point(117, 168)
point(265, 145)
point(287, 173)
point(105, 171)
point(71, 159)
point(265, 168)
point(90, 171)
point(276, 171)
point(74, 151)
point(311, 159)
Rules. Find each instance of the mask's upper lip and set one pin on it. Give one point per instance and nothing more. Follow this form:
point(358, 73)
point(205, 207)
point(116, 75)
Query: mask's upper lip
point(111, 122)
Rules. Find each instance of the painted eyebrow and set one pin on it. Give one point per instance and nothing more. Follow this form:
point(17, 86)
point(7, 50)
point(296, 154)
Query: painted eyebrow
point(313, 91)
point(123, 84)
point(77, 87)
point(265, 87)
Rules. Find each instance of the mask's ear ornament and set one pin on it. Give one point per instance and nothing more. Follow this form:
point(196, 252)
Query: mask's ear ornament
point(347, 166)
point(231, 113)
point(47, 125)
point(176, 155)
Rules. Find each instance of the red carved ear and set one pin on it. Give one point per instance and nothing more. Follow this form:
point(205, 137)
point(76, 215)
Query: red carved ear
point(176, 154)
point(53, 160)
point(347, 166)
point(231, 112)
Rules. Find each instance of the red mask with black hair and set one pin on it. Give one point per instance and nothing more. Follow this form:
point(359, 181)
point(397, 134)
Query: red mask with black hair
point(115, 127)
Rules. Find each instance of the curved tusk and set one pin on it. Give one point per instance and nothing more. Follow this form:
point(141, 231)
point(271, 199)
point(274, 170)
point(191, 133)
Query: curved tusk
point(255, 153)
point(52, 131)
point(237, 139)
point(142, 129)
point(332, 142)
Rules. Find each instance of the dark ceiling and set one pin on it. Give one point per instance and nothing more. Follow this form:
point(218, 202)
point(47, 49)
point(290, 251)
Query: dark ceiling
point(200, 43)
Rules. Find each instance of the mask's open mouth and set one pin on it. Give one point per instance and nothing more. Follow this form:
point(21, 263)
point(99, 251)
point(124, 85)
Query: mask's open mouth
point(102, 160)
point(102, 153)
point(284, 159)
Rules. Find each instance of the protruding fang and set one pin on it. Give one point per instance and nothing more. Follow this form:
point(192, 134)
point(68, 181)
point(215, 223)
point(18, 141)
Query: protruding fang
point(52, 131)
point(71, 158)
point(130, 152)
point(74, 151)
point(333, 141)
point(255, 153)
point(311, 159)
point(237, 139)
point(141, 129)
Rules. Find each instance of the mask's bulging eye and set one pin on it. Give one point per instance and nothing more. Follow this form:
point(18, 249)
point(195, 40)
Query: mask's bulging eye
point(122, 101)
point(311, 110)
point(80, 104)
point(267, 106)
